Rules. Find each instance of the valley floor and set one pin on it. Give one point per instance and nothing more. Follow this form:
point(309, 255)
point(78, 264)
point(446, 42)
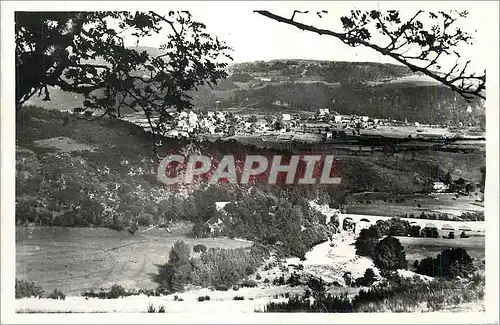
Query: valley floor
point(328, 260)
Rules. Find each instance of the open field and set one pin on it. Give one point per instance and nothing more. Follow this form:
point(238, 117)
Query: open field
point(78, 259)
point(420, 248)
point(383, 204)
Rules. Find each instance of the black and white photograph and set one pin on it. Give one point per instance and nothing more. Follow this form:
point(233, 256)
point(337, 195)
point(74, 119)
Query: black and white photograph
point(250, 161)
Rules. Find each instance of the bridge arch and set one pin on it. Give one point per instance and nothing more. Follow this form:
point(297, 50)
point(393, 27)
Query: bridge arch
point(447, 226)
point(348, 223)
point(430, 225)
point(363, 224)
point(464, 228)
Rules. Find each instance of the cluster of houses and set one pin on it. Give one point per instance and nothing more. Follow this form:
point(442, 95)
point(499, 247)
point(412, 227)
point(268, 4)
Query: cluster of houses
point(189, 123)
point(223, 123)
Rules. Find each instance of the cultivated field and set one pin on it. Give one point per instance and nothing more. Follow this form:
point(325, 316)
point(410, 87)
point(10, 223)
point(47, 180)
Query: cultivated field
point(79, 259)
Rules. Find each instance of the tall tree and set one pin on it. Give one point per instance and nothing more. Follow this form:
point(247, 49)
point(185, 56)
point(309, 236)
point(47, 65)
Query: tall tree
point(85, 53)
point(419, 43)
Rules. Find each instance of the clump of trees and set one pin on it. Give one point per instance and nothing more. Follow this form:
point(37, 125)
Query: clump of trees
point(450, 264)
point(216, 267)
point(367, 241)
point(199, 248)
point(389, 255)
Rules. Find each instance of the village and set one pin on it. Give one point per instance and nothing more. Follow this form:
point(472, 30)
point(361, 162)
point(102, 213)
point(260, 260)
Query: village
point(324, 124)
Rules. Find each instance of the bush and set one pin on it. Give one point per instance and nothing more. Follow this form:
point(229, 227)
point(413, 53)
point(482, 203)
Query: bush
point(317, 286)
point(199, 248)
point(430, 232)
point(258, 277)
point(294, 280)
point(369, 276)
point(221, 288)
point(389, 255)
point(116, 291)
point(203, 298)
point(239, 298)
point(152, 309)
point(328, 304)
point(393, 227)
point(463, 235)
point(451, 235)
point(415, 231)
point(57, 294)
point(451, 263)
point(279, 281)
point(366, 280)
point(366, 241)
point(26, 289)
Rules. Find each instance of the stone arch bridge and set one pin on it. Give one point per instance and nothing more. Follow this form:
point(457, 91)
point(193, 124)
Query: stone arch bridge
point(365, 221)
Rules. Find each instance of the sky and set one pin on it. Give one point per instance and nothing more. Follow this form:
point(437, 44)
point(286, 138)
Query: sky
point(255, 37)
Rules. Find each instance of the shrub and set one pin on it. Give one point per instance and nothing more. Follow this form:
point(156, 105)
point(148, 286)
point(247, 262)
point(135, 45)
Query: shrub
point(369, 276)
point(152, 309)
point(366, 280)
point(451, 263)
point(316, 285)
point(116, 291)
point(266, 280)
point(393, 227)
point(258, 277)
point(415, 231)
point(463, 235)
point(294, 280)
point(57, 294)
point(328, 304)
point(239, 298)
point(279, 281)
point(430, 232)
point(366, 241)
point(389, 255)
point(26, 289)
point(221, 288)
point(199, 248)
point(451, 235)
point(203, 298)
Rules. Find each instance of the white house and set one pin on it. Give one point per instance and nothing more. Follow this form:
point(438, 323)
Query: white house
point(440, 187)
point(286, 117)
point(324, 111)
point(220, 205)
point(338, 118)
